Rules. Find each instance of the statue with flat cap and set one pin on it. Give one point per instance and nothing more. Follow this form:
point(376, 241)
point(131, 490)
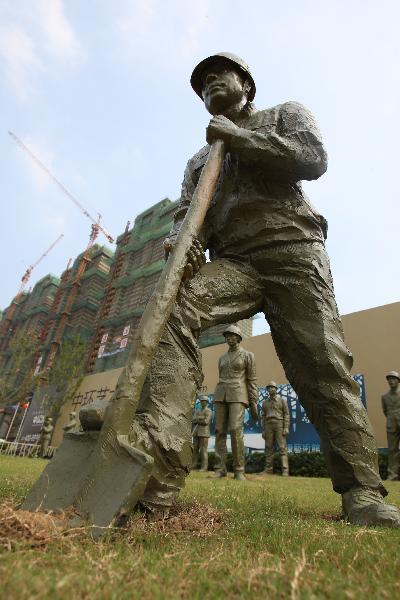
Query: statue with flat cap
point(391, 410)
point(235, 391)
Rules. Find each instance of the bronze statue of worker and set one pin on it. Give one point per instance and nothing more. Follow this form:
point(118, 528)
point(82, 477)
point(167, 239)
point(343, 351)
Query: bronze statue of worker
point(235, 391)
point(71, 424)
point(201, 434)
point(45, 437)
point(275, 423)
point(267, 250)
point(391, 410)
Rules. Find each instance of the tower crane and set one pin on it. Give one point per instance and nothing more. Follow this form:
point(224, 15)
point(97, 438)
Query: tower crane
point(60, 185)
point(96, 228)
point(24, 280)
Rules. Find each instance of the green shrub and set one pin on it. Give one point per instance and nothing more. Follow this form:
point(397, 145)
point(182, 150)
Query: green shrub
point(301, 464)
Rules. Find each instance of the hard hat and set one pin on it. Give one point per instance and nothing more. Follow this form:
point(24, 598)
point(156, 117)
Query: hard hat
point(233, 329)
point(393, 374)
point(233, 60)
point(272, 384)
point(203, 398)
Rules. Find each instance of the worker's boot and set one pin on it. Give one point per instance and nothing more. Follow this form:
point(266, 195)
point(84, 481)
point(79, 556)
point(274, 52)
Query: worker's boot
point(365, 506)
point(218, 473)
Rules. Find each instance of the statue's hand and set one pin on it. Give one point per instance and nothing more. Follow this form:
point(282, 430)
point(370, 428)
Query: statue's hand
point(285, 432)
point(195, 258)
point(253, 411)
point(221, 128)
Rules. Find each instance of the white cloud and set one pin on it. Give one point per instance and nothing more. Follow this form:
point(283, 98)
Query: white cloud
point(19, 58)
point(32, 38)
point(162, 28)
point(62, 41)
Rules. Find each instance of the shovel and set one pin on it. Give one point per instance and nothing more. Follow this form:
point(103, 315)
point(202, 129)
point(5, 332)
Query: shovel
point(100, 475)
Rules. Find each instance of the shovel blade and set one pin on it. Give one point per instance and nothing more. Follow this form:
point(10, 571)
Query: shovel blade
point(64, 475)
point(124, 474)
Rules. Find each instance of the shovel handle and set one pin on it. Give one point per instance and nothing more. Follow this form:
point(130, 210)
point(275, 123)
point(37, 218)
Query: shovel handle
point(122, 408)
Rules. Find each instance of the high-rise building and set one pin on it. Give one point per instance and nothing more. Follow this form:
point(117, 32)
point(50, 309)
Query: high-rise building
point(30, 315)
point(104, 304)
point(138, 262)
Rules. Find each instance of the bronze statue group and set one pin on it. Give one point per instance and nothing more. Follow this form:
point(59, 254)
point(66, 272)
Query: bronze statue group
point(267, 248)
point(236, 391)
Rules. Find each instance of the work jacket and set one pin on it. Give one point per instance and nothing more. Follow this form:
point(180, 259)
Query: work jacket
point(237, 378)
point(259, 199)
point(391, 409)
point(275, 410)
point(202, 420)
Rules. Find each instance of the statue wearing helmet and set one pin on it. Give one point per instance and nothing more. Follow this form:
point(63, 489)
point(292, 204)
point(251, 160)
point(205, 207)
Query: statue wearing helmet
point(236, 390)
point(201, 434)
point(391, 410)
point(275, 422)
point(267, 248)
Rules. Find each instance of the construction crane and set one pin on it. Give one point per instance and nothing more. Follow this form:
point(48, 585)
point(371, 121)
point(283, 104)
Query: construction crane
point(5, 324)
point(61, 186)
point(95, 230)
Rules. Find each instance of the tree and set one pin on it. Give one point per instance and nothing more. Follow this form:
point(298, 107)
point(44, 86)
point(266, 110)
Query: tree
point(17, 378)
point(65, 375)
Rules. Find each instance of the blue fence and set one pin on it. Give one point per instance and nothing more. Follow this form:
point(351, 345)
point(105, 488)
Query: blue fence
point(302, 434)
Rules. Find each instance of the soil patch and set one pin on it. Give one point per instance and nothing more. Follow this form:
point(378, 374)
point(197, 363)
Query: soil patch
point(199, 520)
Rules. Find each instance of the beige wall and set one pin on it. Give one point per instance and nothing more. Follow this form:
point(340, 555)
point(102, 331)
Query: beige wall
point(373, 337)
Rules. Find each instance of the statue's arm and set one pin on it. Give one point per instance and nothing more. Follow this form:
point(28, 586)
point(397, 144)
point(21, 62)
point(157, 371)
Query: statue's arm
point(251, 378)
point(286, 416)
point(384, 407)
point(292, 150)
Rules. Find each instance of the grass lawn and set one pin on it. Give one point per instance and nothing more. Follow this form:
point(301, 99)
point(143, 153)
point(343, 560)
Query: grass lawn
point(265, 538)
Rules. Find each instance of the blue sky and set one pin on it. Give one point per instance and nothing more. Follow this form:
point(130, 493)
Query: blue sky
point(100, 91)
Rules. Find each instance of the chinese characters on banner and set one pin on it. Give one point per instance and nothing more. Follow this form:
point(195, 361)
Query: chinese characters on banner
point(82, 398)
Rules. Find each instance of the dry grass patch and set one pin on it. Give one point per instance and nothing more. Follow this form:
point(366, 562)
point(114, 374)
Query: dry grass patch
point(191, 518)
point(21, 528)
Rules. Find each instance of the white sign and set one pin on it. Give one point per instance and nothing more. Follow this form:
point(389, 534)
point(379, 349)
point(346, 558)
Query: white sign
point(126, 330)
point(104, 338)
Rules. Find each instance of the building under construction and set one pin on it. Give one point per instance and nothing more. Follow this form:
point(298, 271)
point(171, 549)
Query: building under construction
point(101, 297)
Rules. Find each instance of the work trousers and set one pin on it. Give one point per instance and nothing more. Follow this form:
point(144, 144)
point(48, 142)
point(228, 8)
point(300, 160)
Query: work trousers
point(200, 449)
point(393, 438)
point(292, 285)
point(273, 435)
point(229, 419)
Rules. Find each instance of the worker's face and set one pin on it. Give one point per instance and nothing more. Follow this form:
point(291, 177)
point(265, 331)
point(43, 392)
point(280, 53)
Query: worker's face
point(222, 88)
point(393, 382)
point(272, 392)
point(232, 340)
point(203, 403)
